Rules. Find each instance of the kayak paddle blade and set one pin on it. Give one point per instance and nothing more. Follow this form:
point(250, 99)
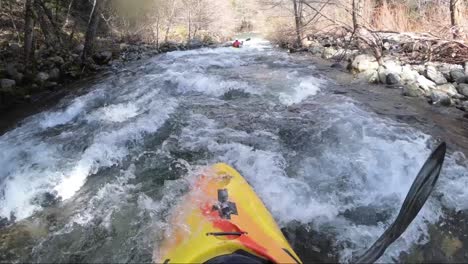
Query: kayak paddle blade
point(415, 200)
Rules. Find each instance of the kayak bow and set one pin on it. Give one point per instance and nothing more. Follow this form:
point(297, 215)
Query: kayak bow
point(223, 221)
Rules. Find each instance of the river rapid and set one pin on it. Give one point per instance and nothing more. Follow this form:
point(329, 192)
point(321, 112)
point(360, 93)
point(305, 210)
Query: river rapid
point(95, 178)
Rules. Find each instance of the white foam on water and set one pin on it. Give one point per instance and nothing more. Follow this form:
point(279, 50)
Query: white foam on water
point(306, 88)
point(116, 113)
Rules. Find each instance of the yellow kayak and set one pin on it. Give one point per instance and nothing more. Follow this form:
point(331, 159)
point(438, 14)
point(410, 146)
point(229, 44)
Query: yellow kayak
point(223, 221)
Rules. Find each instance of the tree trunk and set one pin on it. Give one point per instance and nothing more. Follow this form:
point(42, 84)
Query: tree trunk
point(298, 20)
point(189, 26)
point(357, 13)
point(28, 30)
point(456, 17)
point(92, 29)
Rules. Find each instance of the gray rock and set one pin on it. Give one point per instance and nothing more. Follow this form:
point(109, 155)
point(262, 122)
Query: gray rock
point(393, 67)
point(54, 74)
point(382, 72)
point(316, 49)
point(408, 75)
point(329, 53)
point(433, 74)
point(463, 89)
point(464, 106)
point(103, 58)
point(15, 47)
point(420, 69)
point(412, 90)
point(392, 79)
point(370, 76)
point(447, 88)
point(463, 79)
point(79, 48)
point(363, 63)
point(456, 74)
point(7, 85)
point(57, 60)
point(439, 97)
point(466, 67)
point(42, 77)
point(425, 84)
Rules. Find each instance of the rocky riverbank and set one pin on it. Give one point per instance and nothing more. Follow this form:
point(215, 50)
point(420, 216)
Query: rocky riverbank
point(54, 71)
point(438, 83)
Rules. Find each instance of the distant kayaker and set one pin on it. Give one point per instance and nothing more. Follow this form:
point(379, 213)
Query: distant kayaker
point(236, 44)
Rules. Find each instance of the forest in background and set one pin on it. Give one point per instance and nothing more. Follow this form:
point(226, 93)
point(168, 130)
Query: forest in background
point(47, 42)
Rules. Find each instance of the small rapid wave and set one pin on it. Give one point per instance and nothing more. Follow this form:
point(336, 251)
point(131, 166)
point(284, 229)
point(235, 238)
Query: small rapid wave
point(115, 161)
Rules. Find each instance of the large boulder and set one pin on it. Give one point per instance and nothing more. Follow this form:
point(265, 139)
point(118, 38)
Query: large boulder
point(363, 63)
point(463, 89)
point(439, 97)
point(103, 57)
point(447, 88)
point(6, 85)
point(433, 74)
point(425, 84)
point(412, 90)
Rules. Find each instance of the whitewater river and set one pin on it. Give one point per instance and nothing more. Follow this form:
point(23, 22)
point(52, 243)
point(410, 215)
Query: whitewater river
point(95, 178)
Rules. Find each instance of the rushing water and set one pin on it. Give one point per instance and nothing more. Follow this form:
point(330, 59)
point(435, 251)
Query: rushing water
point(94, 179)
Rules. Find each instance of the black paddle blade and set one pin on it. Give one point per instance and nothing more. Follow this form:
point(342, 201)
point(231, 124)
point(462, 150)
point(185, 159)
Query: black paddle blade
point(415, 200)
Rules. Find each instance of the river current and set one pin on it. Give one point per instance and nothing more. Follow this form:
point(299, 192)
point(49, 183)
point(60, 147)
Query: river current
point(95, 178)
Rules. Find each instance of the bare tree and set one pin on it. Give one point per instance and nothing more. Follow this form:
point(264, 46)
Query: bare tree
point(28, 30)
point(92, 28)
point(456, 17)
point(297, 6)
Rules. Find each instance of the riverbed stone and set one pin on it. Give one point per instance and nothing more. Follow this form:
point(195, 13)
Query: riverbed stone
point(463, 79)
point(463, 89)
point(393, 79)
point(466, 67)
point(42, 77)
point(7, 85)
point(393, 67)
point(433, 74)
point(363, 63)
point(440, 97)
point(456, 74)
point(57, 60)
point(54, 74)
point(103, 58)
point(447, 88)
point(329, 53)
point(464, 106)
point(408, 75)
point(425, 84)
point(412, 90)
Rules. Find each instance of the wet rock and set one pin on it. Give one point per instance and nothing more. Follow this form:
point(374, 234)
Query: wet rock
point(363, 63)
point(392, 79)
point(79, 48)
point(54, 74)
point(412, 90)
point(170, 46)
point(50, 85)
point(464, 106)
point(7, 85)
point(425, 84)
point(433, 74)
point(367, 215)
point(456, 74)
point(103, 58)
point(463, 89)
point(195, 44)
point(42, 77)
point(439, 97)
point(329, 53)
point(448, 88)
